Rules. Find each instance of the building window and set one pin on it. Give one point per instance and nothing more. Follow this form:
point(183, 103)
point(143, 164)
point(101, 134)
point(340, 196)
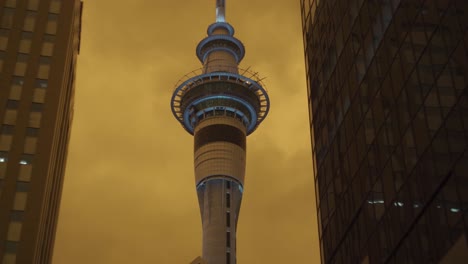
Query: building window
point(10, 3)
point(33, 5)
point(44, 67)
point(10, 117)
point(26, 159)
point(16, 88)
point(21, 64)
point(40, 91)
point(24, 172)
point(3, 163)
point(29, 21)
point(14, 231)
point(228, 258)
point(2, 58)
point(30, 145)
point(7, 18)
point(228, 239)
point(9, 258)
point(55, 6)
point(25, 43)
point(51, 27)
point(11, 112)
point(4, 38)
point(19, 202)
point(6, 137)
point(48, 45)
point(35, 119)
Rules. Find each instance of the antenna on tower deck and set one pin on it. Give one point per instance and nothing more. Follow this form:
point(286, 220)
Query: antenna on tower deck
point(220, 10)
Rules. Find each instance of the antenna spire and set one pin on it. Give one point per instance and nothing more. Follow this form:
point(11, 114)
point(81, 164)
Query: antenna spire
point(220, 10)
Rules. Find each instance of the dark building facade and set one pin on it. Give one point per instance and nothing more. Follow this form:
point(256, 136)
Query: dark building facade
point(39, 43)
point(387, 88)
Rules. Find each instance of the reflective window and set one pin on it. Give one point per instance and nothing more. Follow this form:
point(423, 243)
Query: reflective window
point(4, 38)
point(40, 91)
point(14, 231)
point(7, 18)
point(33, 5)
point(3, 163)
point(9, 258)
point(16, 87)
point(48, 45)
point(44, 67)
point(30, 145)
point(10, 3)
point(25, 172)
point(25, 42)
point(2, 58)
point(51, 27)
point(6, 137)
point(10, 117)
point(21, 64)
point(34, 119)
point(19, 202)
point(29, 21)
point(55, 6)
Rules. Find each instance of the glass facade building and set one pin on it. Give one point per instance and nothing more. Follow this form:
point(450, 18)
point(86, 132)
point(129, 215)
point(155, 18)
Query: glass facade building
point(387, 90)
point(39, 44)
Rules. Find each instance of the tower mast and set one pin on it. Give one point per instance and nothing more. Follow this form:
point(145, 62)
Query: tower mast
point(220, 11)
point(220, 107)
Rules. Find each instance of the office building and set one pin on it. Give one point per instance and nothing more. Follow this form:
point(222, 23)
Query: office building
point(39, 43)
point(387, 90)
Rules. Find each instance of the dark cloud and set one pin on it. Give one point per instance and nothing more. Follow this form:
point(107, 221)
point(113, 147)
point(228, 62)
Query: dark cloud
point(129, 194)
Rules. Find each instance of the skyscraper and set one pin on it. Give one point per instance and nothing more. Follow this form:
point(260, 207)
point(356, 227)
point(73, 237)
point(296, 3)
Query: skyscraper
point(39, 43)
point(387, 87)
point(220, 105)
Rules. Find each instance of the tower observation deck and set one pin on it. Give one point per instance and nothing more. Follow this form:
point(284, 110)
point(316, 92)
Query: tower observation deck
point(220, 104)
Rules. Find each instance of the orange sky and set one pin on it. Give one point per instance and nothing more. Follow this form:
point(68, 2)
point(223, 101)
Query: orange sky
point(129, 193)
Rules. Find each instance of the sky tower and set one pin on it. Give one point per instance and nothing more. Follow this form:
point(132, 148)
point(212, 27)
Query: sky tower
point(220, 105)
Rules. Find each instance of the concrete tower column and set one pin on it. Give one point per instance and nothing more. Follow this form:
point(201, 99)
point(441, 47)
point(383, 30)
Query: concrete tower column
point(220, 107)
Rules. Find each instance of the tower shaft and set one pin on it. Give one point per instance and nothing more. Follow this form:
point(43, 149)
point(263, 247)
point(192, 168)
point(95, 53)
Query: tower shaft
point(220, 107)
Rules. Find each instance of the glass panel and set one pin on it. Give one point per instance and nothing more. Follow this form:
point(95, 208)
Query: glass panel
point(35, 119)
point(20, 201)
point(16, 87)
point(30, 145)
point(21, 64)
point(7, 18)
point(33, 4)
point(9, 258)
point(14, 231)
point(2, 58)
point(3, 163)
point(44, 67)
point(25, 172)
point(29, 21)
point(48, 45)
point(10, 3)
point(25, 43)
point(51, 27)
point(55, 6)
point(10, 117)
point(39, 95)
point(5, 142)
point(4, 38)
